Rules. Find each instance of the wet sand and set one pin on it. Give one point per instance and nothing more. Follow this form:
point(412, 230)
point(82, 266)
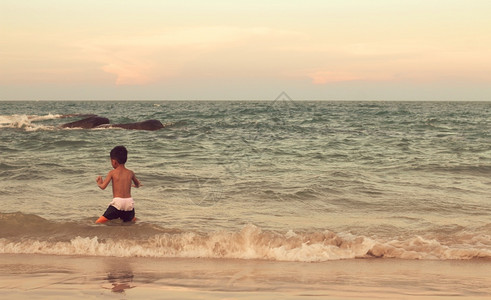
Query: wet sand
point(79, 277)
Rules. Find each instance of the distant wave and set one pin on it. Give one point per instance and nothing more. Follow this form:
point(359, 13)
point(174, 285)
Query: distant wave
point(31, 234)
point(26, 121)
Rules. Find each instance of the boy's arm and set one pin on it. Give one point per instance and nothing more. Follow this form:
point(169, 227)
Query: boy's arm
point(136, 181)
point(104, 183)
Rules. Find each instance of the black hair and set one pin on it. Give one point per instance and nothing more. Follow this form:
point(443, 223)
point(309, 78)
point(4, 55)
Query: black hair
point(120, 154)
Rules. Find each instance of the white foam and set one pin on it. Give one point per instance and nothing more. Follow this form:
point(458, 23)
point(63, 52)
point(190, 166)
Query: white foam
point(253, 243)
point(26, 121)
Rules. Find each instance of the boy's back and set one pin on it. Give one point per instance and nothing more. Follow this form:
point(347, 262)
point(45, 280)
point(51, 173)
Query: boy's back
point(122, 178)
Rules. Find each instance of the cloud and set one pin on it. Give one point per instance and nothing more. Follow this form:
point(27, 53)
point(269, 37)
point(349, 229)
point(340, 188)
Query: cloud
point(144, 59)
point(127, 73)
point(398, 61)
point(323, 77)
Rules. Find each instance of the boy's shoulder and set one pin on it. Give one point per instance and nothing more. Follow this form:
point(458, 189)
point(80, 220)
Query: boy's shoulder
point(126, 170)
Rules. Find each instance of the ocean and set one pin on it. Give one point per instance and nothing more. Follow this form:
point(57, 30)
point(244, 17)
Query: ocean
point(271, 181)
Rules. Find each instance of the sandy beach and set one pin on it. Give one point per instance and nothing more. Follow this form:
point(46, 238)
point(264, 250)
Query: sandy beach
point(77, 277)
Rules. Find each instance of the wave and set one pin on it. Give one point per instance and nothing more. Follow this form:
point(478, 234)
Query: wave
point(26, 121)
point(31, 234)
point(477, 169)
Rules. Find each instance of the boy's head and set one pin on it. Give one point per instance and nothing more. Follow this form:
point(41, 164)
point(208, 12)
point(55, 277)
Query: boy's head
point(120, 154)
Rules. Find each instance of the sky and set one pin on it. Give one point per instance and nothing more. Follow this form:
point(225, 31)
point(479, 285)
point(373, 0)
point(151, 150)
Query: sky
point(245, 50)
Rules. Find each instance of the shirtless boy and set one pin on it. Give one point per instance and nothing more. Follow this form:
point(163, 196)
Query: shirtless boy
point(122, 205)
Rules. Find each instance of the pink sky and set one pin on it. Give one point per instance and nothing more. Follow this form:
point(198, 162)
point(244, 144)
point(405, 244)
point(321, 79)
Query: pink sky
point(331, 50)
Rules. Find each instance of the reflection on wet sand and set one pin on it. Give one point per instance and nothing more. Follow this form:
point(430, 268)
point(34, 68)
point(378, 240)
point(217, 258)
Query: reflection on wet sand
point(78, 277)
point(120, 281)
point(120, 276)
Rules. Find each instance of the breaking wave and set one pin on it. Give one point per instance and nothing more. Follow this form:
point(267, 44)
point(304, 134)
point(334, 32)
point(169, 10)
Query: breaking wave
point(26, 122)
point(30, 234)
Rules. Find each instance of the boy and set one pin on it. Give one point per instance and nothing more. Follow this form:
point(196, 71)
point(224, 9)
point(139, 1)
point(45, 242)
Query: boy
point(122, 205)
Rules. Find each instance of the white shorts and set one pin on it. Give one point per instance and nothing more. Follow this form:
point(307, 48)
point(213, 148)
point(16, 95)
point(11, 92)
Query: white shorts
point(124, 204)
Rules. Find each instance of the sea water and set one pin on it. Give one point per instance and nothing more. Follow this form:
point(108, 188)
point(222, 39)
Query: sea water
point(276, 180)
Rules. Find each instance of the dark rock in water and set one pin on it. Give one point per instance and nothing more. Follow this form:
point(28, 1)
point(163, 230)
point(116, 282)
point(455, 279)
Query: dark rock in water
point(93, 121)
point(87, 123)
point(145, 125)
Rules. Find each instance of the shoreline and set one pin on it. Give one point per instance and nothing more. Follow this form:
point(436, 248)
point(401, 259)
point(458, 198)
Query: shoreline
point(47, 276)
